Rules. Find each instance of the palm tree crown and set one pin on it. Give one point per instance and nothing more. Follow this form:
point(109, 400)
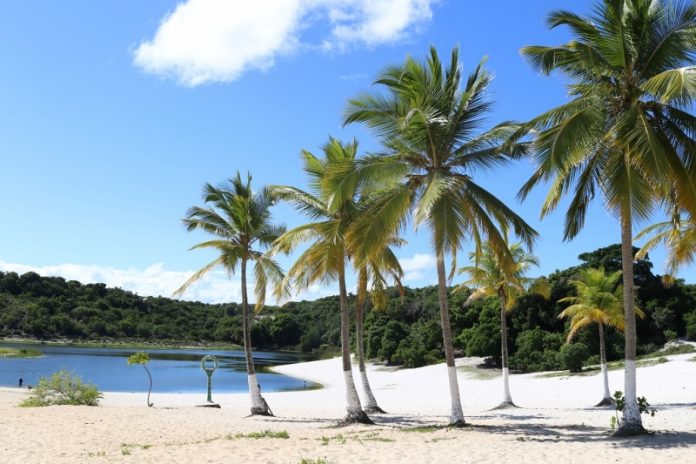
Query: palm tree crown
point(625, 130)
point(429, 120)
point(598, 301)
point(240, 221)
point(489, 278)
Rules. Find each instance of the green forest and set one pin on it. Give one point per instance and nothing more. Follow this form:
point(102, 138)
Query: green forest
point(407, 332)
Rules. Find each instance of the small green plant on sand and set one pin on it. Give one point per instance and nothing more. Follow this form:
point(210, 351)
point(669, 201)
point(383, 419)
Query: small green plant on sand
point(643, 406)
point(63, 388)
point(313, 461)
point(264, 434)
point(143, 358)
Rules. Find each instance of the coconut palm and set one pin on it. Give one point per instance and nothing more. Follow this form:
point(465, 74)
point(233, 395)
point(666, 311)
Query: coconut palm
point(598, 301)
point(240, 221)
point(375, 271)
point(489, 278)
point(625, 132)
point(326, 257)
point(428, 119)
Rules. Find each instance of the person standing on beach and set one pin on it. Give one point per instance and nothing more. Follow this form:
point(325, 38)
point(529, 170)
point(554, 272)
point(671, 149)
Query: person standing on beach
point(20, 382)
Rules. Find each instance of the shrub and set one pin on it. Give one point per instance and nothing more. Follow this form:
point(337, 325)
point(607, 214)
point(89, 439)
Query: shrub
point(670, 335)
point(572, 356)
point(536, 351)
point(63, 388)
point(690, 320)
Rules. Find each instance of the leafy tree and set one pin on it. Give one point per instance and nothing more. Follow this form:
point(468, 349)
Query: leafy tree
point(240, 221)
point(625, 131)
point(427, 121)
point(143, 358)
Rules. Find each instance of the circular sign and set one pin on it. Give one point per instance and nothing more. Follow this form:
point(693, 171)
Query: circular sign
point(209, 363)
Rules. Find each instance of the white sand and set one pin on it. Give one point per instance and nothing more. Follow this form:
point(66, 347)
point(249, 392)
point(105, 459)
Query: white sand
point(555, 424)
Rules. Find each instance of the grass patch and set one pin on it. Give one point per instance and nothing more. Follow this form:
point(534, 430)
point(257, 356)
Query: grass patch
point(313, 461)
point(424, 428)
point(374, 436)
point(684, 348)
point(477, 373)
point(263, 434)
point(339, 439)
point(14, 353)
point(126, 448)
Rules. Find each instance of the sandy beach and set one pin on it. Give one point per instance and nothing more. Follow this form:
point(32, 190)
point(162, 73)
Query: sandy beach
point(555, 423)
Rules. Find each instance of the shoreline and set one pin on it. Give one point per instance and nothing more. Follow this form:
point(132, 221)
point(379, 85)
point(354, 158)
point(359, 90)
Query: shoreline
point(555, 422)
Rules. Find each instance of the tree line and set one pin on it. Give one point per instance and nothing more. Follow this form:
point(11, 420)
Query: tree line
point(406, 332)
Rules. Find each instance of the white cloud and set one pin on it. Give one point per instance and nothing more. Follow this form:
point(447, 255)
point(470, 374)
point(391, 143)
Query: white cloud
point(416, 267)
point(205, 41)
point(155, 280)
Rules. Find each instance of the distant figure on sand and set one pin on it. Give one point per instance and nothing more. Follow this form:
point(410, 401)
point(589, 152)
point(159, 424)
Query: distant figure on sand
point(20, 382)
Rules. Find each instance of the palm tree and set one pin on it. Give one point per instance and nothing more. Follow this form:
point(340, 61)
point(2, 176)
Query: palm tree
point(598, 301)
point(428, 124)
point(374, 270)
point(240, 221)
point(625, 131)
point(489, 278)
point(325, 258)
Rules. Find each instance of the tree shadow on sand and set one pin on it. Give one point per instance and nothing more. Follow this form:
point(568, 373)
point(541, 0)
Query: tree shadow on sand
point(586, 433)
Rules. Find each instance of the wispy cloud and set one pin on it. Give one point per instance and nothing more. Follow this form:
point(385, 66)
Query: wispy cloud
point(418, 267)
point(155, 280)
point(204, 41)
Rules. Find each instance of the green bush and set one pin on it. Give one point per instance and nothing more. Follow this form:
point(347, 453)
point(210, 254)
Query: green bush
point(690, 320)
point(536, 351)
point(572, 356)
point(670, 335)
point(63, 388)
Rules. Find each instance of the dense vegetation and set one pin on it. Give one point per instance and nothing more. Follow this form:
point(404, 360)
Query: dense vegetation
point(406, 332)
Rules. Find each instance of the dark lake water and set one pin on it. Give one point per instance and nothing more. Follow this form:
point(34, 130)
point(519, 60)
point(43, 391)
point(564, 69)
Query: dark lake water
point(173, 370)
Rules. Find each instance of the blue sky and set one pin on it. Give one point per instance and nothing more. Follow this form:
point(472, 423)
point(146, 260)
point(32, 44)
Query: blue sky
point(114, 114)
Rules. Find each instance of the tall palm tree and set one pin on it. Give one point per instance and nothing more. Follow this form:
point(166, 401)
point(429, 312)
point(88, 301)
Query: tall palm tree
point(598, 301)
point(240, 221)
point(326, 257)
point(375, 271)
point(625, 132)
point(428, 119)
point(489, 278)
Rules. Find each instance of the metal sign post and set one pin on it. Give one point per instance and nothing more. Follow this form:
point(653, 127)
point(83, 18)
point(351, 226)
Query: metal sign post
point(209, 363)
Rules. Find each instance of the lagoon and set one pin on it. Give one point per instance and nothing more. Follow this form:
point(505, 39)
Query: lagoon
point(173, 370)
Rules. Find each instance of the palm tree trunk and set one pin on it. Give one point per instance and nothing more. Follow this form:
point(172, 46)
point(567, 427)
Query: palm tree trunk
point(606, 400)
point(507, 398)
point(457, 415)
point(631, 423)
point(354, 408)
point(258, 404)
point(371, 406)
point(149, 389)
